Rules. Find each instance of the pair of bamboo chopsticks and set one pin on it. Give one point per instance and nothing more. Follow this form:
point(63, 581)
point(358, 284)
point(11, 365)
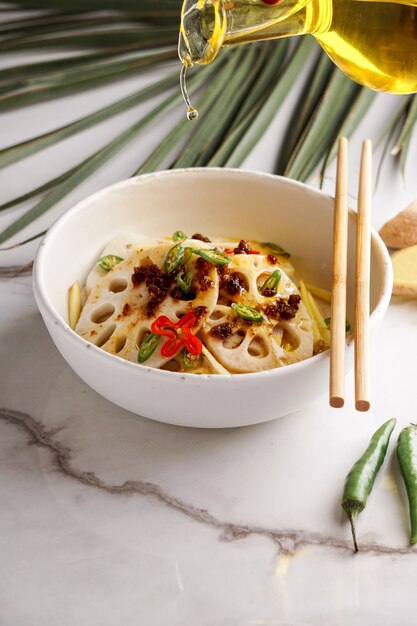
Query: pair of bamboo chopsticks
point(362, 280)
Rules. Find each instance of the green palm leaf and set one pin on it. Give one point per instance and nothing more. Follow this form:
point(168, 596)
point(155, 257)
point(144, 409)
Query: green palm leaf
point(323, 127)
point(403, 141)
point(266, 114)
point(183, 129)
point(88, 167)
point(360, 106)
point(27, 148)
point(306, 104)
point(93, 42)
point(253, 102)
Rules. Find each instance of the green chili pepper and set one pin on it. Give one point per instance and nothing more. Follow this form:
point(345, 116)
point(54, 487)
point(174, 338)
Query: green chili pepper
point(407, 457)
point(271, 282)
point(219, 258)
point(148, 347)
point(277, 249)
point(186, 281)
point(174, 258)
point(327, 321)
point(179, 235)
point(361, 478)
point(190, 361)
point(107, 263)
point(247, 313)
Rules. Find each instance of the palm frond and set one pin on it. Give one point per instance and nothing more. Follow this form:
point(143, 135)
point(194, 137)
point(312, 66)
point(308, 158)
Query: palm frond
point(267, 112)
point(184, 129)
point(37, 191)
point(253, 102)
point(88, 167)
point(95, 42)
point(360, 106)
point(403, 141)
point(323, 126)
point(31, 146)
point(390, 130)
point(304, 109)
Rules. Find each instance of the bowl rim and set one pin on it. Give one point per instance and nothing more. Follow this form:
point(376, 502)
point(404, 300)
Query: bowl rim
point(41, 292)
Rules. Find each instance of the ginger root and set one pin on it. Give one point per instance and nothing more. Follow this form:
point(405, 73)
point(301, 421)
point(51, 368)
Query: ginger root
point(404, 263)
point(401, 230)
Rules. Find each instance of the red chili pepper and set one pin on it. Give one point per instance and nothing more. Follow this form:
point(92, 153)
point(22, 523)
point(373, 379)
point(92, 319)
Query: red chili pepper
point(179, 334)
point(271, 1)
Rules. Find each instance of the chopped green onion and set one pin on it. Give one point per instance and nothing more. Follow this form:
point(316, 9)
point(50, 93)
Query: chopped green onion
point(248, 313)
point(107, 263)
point(174, 258)
point(190, 361)
point(327, 321)
point(186, 281)
point(219, 258)
point(277, 249)
point(271, 282)
point(179, 236)
point(148, 347)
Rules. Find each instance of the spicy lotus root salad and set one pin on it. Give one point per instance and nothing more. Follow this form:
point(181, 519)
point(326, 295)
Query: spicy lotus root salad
point(199, 305)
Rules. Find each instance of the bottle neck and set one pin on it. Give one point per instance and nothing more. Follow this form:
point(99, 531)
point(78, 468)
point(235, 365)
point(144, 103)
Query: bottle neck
point(207, 25)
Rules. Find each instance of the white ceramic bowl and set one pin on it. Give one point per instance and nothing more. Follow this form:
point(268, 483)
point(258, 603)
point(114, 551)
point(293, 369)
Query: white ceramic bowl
point(219, 202)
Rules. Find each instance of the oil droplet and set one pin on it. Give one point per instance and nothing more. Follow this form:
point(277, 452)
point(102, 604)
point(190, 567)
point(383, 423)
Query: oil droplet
point(192, 113)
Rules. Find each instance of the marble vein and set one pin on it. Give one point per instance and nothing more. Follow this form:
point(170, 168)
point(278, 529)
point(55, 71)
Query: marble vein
point(286, 541)
point(13, 271)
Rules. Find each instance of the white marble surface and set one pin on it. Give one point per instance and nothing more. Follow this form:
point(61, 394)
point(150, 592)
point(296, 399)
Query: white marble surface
point(107, 518)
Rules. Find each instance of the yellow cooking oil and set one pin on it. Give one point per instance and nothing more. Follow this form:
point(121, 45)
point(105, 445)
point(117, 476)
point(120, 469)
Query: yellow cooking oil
point(372, 41)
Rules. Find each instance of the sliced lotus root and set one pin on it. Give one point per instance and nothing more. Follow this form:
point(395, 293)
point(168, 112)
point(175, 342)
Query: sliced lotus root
point(122, 245)
point(125, 244)
point(252, 270)
point(258, 347)
point(115, 318)
point(241, 347)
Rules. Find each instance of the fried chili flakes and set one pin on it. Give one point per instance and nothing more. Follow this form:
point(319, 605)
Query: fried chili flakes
point(230, 281)
point(157, 283)
point(243, 248)
point(269, 293)
point(199, 312)
point(234, 285)
point(222, 331)
point(200, 237)
point(222, 271)
point(177, 293)
point(283, 309)
point(203, 269)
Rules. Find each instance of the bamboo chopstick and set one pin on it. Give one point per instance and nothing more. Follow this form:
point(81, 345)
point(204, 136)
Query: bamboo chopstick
point(338, 303)
point(363, 266)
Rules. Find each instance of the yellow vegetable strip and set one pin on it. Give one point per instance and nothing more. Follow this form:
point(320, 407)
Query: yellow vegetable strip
point(216, 366)
point(304, 295)
point(74, 305)
point(318, 292)
point(321, 324)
